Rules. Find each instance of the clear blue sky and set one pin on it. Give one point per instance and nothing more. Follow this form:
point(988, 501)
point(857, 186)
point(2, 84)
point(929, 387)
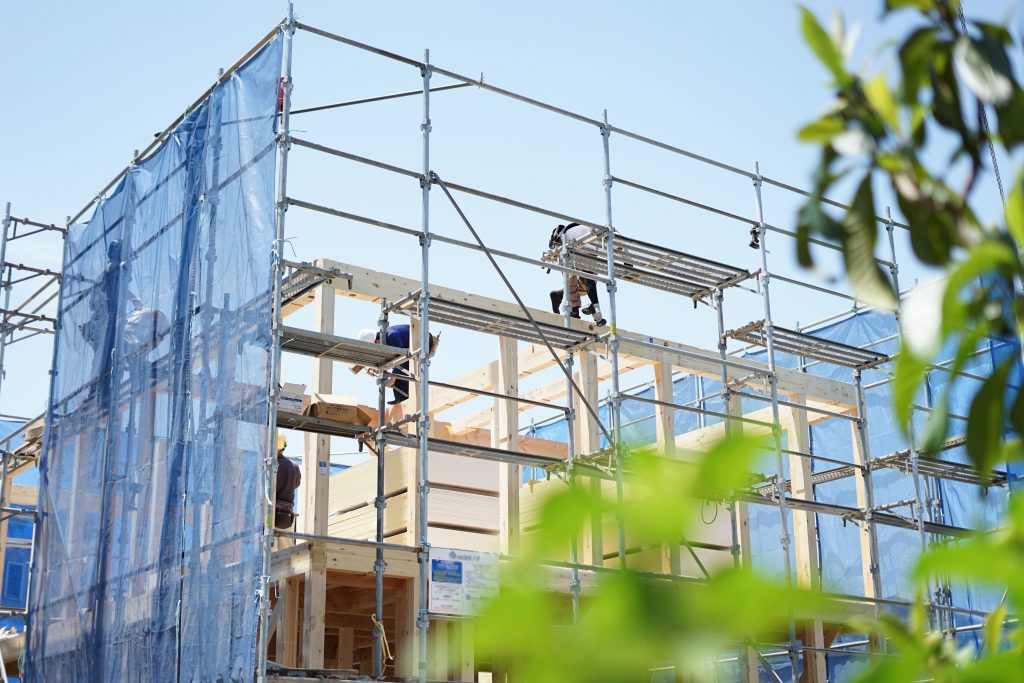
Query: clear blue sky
point(87, 83)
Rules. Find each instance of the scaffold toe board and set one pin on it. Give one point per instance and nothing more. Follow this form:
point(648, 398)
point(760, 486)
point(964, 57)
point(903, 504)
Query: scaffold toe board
point(931, 467)
point(355, 351)
point(808, 346)
point(306, 423)
point(468, 450)
point(655, 266)
point(506, 325)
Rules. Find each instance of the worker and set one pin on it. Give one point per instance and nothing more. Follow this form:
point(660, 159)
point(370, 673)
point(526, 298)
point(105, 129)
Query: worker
point(397, 336)
point(577, 284)
point(289, 476)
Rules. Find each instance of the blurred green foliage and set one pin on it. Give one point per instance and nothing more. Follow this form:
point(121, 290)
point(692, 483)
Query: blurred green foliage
point(920, 130)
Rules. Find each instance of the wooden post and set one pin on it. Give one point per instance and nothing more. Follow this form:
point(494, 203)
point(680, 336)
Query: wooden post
point(316, 477)
point(313, 608)
point(748, 658)
point(505, 435)
point(589, 441)
point(868, 541)
point(288, 629)
point(805, 537)
point(665, 442)
point(465, 669)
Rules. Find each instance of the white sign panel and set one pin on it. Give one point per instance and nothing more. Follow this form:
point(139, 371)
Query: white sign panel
point(461, 580)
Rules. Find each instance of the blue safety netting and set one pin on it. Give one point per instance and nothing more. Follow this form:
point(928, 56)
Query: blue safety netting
point(149, 550)
point(955, 503)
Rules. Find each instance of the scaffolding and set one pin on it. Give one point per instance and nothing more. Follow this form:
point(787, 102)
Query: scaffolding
point(610, 258)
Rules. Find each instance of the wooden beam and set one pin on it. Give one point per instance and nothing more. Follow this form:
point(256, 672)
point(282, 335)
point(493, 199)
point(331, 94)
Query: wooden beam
point(533, 358)
point(371, 285)
point(703, 362)
point(553, 392)
point(505, 435)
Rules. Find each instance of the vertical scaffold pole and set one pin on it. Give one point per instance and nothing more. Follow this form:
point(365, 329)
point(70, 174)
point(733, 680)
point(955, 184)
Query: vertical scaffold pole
point(380, 502)
point(918, 503)
point(869, 491)
point(773, 383)
point(615, 408)
point(423, 487)
point(734, 520)
point(570, 423)
point(7, 294)
point(270, 459)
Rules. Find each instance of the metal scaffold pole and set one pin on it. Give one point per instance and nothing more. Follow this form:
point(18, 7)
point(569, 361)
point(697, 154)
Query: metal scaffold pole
point(734, 521)
point(615, 407)
point(270, 460)
point(380, 503)
point(914, 469)
point(7, 293)
point(773, 383)
point(423, 487)
point(570, 423)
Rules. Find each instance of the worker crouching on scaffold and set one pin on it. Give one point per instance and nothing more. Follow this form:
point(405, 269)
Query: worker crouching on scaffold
point(578, 285)
point(397, 336)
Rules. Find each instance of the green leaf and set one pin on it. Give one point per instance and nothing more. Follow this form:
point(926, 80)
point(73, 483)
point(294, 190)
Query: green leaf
point(935, 428)
point(881, 99)
point(822, 130)
point(909, 373)
point(985, 420)
point(822, 45)
point(1015, 212)
point(932, 230)
point(916, 56)
point(982, 70)
point(920, 5)
point(1010, 116)
point(860, 232)
point(994, 630)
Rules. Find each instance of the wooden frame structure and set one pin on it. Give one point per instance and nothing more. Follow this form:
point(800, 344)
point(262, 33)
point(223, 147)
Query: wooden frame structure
point(351, 583)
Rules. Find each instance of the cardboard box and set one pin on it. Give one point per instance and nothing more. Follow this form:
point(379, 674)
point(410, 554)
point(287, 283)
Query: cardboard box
point(292, 398)
point(337, 408)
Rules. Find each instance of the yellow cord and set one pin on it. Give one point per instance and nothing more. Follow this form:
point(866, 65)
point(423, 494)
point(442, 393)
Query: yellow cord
point(383, 636)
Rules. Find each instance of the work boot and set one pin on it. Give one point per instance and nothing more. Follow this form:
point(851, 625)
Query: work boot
point(595, 311)
point(589, 310)
point(556, 299)
point(575, 313)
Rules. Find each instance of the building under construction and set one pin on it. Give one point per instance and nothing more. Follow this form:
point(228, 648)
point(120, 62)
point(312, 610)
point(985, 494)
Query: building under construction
point(176, 315)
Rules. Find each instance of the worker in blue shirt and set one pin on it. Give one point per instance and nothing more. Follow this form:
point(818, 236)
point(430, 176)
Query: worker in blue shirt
point(399, 337)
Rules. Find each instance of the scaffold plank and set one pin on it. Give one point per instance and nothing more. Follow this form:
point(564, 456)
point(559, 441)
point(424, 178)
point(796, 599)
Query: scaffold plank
point(480, 319)
point(403, 440)
point(655, 266)
point(355, 351)
point(315, 425)
point(808, 346)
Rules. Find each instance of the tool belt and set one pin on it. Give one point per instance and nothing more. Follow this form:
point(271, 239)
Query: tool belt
point(284, 514)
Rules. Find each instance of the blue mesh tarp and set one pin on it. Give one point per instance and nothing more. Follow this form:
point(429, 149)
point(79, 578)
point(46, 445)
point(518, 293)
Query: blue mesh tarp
point(955, 503)
point(149, 552)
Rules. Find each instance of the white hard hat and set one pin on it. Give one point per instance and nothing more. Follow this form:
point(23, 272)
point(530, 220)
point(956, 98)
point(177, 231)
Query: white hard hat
point(368, 335)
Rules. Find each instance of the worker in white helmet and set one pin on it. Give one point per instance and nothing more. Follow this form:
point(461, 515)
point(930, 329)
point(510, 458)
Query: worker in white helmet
point(397, 336)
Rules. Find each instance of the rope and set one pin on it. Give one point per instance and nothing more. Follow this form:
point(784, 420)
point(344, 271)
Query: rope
point(383, 637)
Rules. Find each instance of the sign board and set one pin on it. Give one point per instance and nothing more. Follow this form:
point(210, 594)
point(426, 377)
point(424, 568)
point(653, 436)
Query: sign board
point(461, 580)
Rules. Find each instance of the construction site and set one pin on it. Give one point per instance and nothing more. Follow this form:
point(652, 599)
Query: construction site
point(192, 326)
